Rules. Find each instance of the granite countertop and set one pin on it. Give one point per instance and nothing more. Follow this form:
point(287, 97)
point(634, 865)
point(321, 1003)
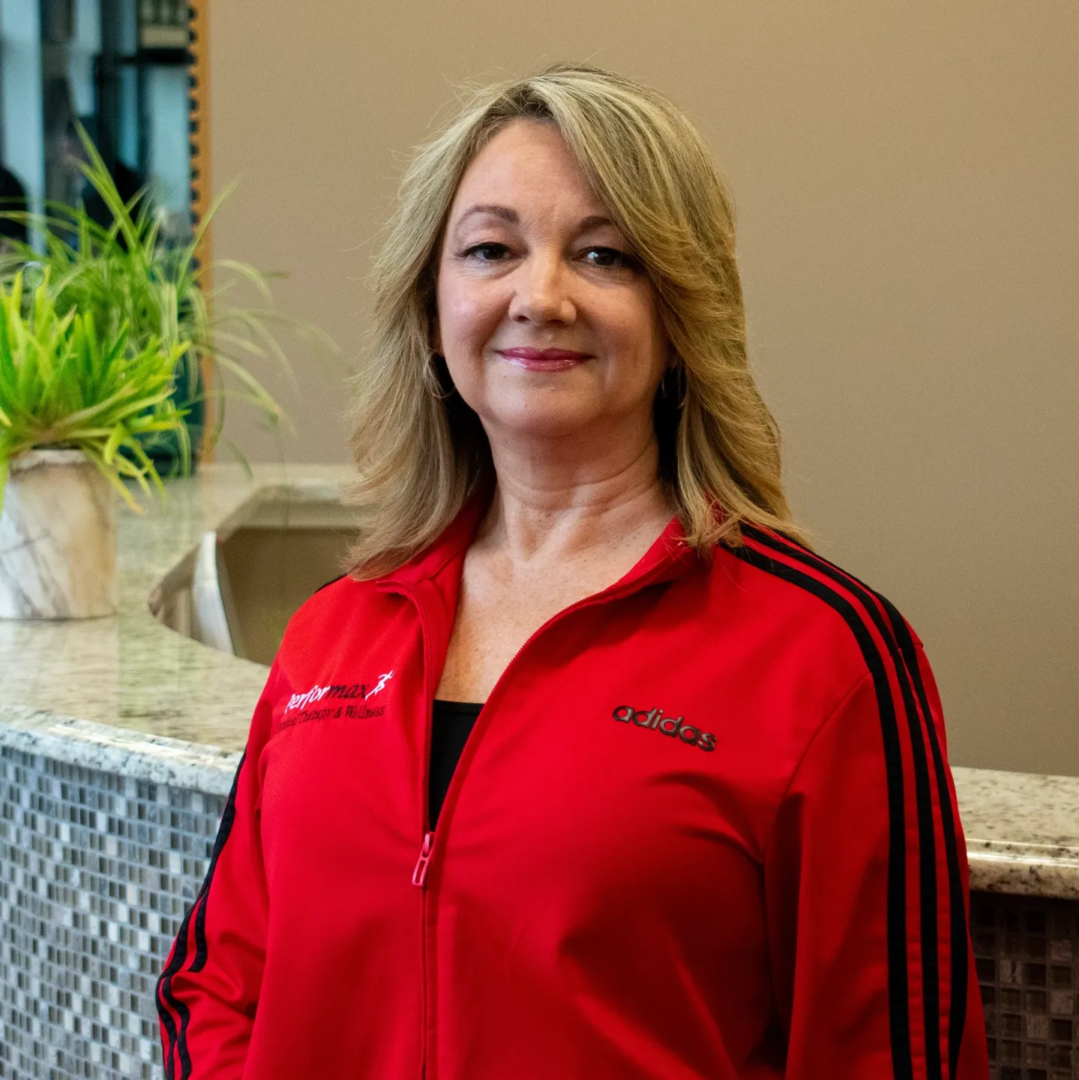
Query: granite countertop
point(127, 694)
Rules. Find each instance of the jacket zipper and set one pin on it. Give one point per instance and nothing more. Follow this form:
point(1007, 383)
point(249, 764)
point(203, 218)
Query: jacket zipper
point(419, 875)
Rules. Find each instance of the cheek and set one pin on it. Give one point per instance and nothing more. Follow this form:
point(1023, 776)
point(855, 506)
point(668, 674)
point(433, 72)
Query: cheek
point(466, 316)
point(637, 332)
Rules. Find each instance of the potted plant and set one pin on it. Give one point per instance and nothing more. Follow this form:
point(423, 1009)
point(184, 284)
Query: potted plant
point(126, 274)
point(76, 401)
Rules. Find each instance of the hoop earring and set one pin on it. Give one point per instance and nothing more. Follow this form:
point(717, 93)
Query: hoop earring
point(443, 387)
point(672, 386)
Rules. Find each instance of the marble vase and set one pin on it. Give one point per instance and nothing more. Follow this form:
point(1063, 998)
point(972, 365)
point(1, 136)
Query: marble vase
point(57, 539)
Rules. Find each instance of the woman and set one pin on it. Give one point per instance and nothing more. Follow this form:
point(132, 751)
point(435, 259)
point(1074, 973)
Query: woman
point(703, 825)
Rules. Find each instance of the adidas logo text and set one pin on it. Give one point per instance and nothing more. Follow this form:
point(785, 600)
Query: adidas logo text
point(674, 727)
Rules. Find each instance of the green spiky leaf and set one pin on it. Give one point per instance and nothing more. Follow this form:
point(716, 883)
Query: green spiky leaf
point(65, 381)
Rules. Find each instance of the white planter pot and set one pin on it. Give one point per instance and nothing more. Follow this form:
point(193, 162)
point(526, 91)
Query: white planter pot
point(57, 539)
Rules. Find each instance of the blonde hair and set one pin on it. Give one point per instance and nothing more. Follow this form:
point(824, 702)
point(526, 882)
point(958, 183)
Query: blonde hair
point(422, 453)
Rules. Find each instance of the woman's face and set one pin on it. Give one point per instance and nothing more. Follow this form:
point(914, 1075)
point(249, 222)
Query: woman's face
point(547, 321)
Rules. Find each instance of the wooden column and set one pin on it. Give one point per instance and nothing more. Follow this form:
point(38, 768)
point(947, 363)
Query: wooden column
point(199, 138)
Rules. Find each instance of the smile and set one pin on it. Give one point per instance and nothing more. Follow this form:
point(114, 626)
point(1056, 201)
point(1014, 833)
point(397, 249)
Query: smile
point(543, 359)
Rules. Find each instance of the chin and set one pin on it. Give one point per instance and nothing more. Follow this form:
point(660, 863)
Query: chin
point(543, 420)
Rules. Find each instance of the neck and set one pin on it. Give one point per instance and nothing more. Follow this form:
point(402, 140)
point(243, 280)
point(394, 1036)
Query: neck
point(553, 502)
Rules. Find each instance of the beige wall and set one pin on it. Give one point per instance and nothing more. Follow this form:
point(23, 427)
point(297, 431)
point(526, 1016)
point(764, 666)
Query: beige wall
point(907, 177)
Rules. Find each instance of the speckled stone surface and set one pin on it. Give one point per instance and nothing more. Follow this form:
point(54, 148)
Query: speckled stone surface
point(131, 754)
point(126, 694)
point(1022, 831)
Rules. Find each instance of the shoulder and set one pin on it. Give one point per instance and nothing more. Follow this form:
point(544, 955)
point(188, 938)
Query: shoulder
point(342, 635)
point(815, 611)
point(343, 590)
point(336, 606)
point(825, 652)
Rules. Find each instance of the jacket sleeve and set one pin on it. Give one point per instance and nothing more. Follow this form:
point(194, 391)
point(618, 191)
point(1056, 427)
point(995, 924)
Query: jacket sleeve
point(209, 987)
point(866, 895)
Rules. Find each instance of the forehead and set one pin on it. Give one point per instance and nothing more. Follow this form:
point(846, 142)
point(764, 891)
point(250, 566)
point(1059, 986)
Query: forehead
point(527, 166)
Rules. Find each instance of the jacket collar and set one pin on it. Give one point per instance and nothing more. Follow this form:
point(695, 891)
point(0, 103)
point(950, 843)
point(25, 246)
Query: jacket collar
point(450, 544)
point(668, 558)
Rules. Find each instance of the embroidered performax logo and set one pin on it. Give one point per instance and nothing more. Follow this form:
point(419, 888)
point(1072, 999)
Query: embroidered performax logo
point(674, 727)
point(338, 691)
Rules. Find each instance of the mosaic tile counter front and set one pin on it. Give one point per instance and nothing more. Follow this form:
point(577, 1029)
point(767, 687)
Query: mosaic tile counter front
point(118, 744)
point(96, 871)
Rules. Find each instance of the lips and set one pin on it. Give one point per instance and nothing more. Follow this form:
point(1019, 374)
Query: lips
point(543, 359)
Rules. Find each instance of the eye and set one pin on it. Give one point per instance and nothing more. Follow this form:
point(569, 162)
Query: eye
point(608, 258)
point(485, 253)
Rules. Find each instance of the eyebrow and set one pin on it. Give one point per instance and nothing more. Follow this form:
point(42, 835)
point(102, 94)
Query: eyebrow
point(594, 221)
point(503, 212)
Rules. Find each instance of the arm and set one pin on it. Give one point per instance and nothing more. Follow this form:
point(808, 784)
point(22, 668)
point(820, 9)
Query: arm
point(209, 987)
point(867, 901)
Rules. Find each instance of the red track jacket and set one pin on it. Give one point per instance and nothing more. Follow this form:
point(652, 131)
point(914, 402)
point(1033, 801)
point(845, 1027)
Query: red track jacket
point(704, 828)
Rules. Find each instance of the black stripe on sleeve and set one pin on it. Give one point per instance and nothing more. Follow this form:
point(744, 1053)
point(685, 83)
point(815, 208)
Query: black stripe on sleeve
point(163, 1010)
point(178, 1039)
point(958, 1005)
point(897, 637)
point(898, 1002)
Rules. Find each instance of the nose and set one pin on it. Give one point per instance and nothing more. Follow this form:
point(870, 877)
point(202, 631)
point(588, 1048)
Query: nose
point(542, 295)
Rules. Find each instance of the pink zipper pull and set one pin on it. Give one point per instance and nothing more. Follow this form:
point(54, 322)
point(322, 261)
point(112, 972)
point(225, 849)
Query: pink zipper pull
point(420, 873)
